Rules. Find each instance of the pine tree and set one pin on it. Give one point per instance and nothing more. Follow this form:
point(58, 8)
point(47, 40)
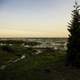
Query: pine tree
point(73, 51)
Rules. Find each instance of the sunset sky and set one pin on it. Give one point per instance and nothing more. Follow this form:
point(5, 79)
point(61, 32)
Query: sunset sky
point(35, 18)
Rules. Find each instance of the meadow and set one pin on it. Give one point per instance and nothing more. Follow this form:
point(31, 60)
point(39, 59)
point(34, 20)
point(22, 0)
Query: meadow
point(22, 63)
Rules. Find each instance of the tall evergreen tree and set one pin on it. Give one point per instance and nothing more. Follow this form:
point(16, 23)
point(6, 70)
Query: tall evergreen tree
point(73, 51)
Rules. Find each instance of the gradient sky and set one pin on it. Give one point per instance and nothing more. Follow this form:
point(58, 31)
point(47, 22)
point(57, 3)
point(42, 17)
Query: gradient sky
point(35, 18)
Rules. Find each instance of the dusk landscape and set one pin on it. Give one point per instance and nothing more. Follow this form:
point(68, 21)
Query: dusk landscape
point(39, 40)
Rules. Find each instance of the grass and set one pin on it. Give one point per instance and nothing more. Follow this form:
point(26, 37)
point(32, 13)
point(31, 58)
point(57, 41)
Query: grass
point(44, 66)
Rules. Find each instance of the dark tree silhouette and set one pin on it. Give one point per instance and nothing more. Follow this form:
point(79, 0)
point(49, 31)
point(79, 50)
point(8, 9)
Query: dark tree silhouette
point(73, 51)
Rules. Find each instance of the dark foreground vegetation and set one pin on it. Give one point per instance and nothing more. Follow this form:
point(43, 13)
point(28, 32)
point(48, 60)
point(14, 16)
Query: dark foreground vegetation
point(48, 65)
point(73, 51)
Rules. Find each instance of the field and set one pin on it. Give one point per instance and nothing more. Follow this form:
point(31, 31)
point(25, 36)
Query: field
point(20, 59)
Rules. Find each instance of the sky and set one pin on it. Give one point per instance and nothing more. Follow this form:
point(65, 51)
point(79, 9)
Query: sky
point(35, 18)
